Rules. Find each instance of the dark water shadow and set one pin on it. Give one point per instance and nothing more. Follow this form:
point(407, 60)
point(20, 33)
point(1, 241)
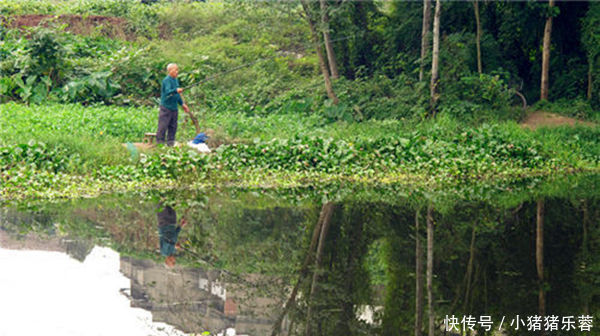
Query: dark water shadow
point(341, 260)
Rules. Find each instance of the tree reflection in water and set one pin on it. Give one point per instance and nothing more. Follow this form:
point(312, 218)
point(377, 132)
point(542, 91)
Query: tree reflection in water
point(343, 261)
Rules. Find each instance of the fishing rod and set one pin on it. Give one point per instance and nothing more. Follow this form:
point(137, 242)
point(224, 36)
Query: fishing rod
point(195, 120)
point(343, 38)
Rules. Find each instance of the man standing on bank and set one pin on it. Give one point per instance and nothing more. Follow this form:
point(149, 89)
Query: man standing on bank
point(169, 99)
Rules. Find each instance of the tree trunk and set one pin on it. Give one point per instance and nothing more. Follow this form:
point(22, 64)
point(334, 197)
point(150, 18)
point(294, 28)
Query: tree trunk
point(520, 95)
point(546, 56)
point(478, 40)
point(425, 35)
point(590, 83)
point(586, 218)
point(539, 256)
point(435, 57)
point(430, 267)
point(318, 258)
point(477, 270)
point(322, 65)
point(485, 291)
point(585, 248)
point(324, 216)
point(356, 232)
point(327, 39)
point(419, 278)
point(469, 274)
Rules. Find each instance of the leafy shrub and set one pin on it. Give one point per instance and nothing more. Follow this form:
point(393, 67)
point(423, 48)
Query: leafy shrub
point(46, 52)
point(30, 69)
point(378, 98)
point(95, 87)
point(479, 98)
point(36, 156)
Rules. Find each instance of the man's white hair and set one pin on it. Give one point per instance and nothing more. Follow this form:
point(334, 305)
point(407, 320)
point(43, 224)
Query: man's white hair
point(170, 66)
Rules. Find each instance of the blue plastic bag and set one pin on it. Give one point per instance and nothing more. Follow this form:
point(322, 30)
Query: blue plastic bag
point(200, 138)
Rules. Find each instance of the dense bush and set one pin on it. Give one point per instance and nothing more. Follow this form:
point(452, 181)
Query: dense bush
point(478, 98)
point(56, 65)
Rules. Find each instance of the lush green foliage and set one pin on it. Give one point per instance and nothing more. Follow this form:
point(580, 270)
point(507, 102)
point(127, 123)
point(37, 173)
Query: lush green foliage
point(40, 122)
point(268, 69)
point(205, 43)
point(72, 69)
point(70, 102)
point(71, 142)
point(260, 90)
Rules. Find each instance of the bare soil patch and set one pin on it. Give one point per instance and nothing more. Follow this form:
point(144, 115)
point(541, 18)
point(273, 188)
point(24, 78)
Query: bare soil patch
point(112, 27)
point(547, 119)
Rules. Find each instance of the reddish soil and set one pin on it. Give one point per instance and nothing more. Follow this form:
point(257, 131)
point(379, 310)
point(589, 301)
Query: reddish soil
point(113, 27)
point(547, 119)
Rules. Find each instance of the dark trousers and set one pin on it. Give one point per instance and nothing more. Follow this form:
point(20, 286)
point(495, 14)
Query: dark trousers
point(167, 123)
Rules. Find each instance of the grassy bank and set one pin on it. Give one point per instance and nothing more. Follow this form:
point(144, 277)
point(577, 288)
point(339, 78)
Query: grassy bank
point(59, 150)
point(251, 74)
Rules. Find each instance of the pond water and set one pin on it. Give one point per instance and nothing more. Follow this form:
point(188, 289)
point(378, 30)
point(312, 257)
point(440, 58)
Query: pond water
point(512, 258)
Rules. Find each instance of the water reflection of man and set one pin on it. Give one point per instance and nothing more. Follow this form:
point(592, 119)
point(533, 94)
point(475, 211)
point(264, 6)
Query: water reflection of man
point(169, 233)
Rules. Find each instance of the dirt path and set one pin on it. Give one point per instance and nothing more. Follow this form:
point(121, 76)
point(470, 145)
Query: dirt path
point(547, 119)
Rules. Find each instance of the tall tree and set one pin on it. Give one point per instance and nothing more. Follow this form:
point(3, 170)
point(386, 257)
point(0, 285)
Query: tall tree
point(430, 268)
point(585, 249)
point(478, 36)
point(469, 274)
point(327, 40)
point(419, 278)
point(591, 42)
point(546, 53)
point(425, 35)
point(328, 211)
point(324, 218)
point(539, 256)
point(435, 57)
point(316, 41)
point(590, 79)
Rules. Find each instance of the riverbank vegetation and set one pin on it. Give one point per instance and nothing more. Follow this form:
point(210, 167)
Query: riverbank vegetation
point(347, 121)
point(72, 96)
point(82, 152)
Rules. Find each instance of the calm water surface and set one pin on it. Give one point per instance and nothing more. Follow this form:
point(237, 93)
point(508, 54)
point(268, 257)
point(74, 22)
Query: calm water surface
point(228, 261)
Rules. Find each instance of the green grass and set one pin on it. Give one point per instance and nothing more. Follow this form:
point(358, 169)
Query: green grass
point(94, 134)
point(82, 152)
point(105, 127)
point(37, 122)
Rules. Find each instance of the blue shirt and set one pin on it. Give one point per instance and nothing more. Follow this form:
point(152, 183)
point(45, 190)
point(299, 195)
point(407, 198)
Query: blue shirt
point(169, 97)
